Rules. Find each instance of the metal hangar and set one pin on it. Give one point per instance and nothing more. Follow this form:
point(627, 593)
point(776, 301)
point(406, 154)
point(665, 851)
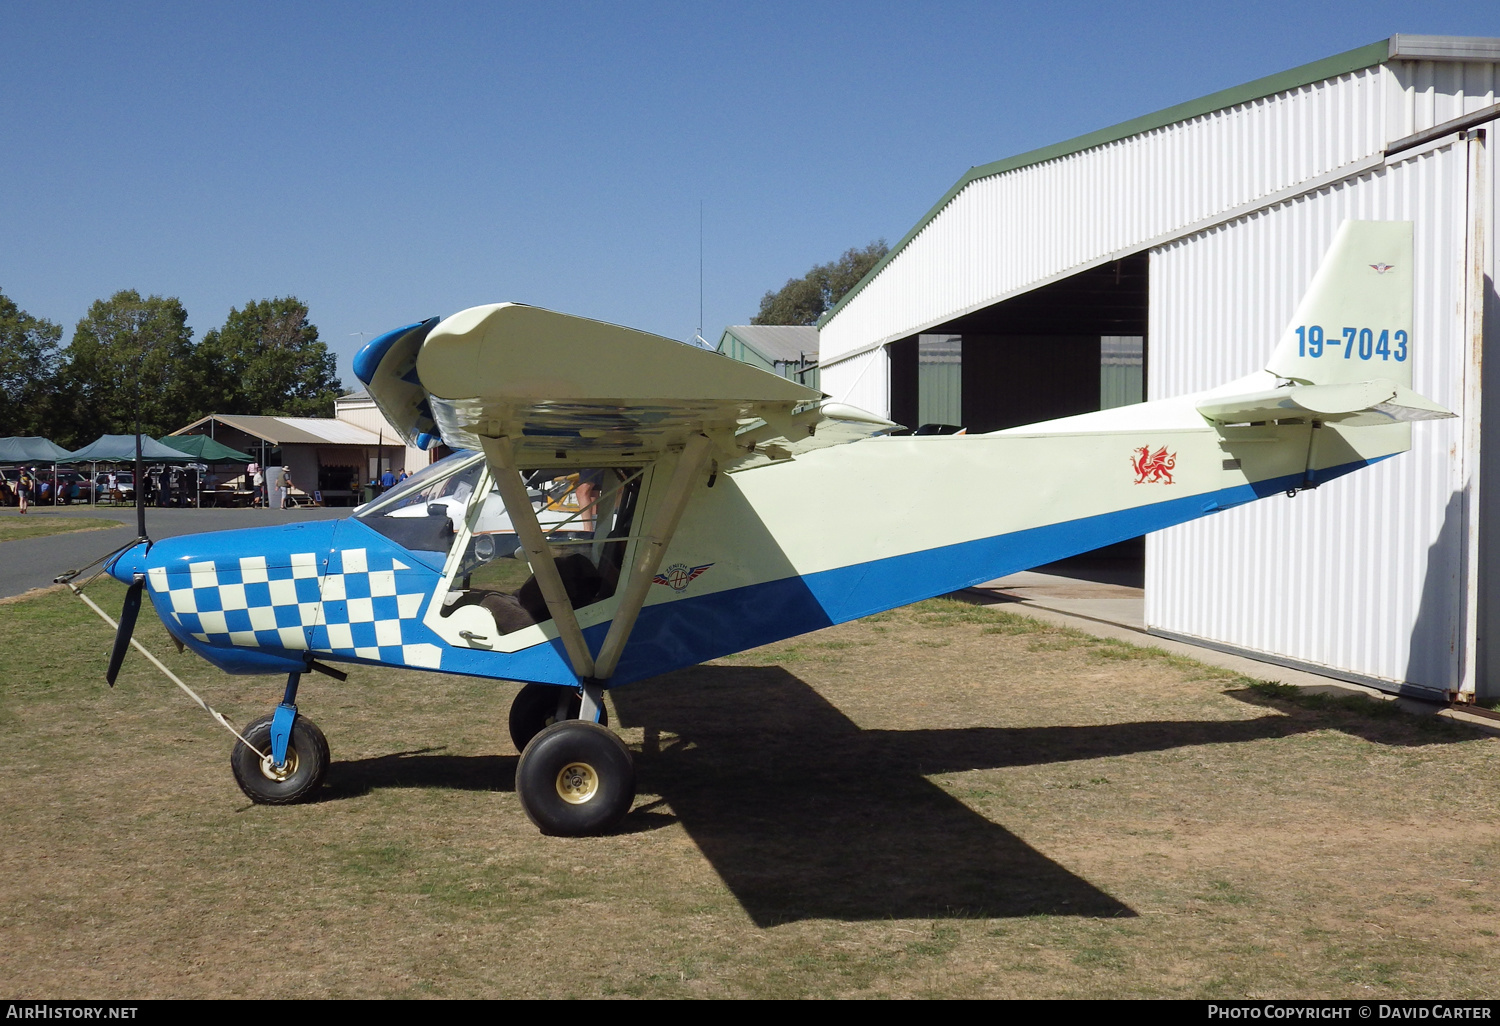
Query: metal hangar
point(1165, 255)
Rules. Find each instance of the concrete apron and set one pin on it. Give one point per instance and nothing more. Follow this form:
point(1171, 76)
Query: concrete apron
point(1117, 611)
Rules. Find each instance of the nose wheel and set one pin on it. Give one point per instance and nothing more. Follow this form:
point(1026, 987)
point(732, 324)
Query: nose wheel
point(286, 757)
point(295, 778)
point(575, 779)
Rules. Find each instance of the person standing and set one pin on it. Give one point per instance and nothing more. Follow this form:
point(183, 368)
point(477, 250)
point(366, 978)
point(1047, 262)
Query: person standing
point(586, 494)
point(24, 482)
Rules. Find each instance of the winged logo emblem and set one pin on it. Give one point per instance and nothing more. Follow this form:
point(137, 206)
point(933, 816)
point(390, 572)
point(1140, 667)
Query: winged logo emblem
point(679, 575)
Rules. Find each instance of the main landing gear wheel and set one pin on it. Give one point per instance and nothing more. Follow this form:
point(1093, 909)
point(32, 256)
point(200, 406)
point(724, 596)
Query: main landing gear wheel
point(575, 779)
point(306, 763)
point(535, 709)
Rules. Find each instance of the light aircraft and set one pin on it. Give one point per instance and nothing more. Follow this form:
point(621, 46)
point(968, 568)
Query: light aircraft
point(716, 507)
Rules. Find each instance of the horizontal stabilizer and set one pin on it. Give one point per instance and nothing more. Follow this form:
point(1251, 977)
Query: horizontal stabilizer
point(1355, 403)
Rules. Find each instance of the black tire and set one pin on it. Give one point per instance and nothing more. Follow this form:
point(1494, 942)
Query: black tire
point(535, 709)
point(307, 761)
point(575, 779)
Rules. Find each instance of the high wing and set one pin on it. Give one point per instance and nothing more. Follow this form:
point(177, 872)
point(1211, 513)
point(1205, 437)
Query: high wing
point(535, 389)
point(564, 387)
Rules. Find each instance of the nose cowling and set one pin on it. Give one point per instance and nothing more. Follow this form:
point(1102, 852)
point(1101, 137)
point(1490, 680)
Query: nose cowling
point(129, 563)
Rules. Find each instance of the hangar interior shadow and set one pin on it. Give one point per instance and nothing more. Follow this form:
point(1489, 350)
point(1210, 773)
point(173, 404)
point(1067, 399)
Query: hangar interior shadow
point(805, 815)
point(1035, 356)
point(1056, 351)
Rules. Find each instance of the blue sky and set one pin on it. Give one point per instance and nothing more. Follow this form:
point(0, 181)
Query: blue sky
point(388, 162)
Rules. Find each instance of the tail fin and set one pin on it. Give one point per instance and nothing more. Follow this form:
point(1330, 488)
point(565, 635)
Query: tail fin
point(1355, 321)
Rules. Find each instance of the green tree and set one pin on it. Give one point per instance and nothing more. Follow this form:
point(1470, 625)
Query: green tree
point(128, 357)
point(267, 359)
point(29, 361)
point(803, 300)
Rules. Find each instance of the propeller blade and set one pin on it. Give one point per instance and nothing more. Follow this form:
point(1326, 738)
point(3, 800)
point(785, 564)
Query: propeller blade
point(128, 613)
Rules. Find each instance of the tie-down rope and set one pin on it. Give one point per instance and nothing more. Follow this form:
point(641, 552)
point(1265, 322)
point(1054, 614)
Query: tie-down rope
point(170, 675)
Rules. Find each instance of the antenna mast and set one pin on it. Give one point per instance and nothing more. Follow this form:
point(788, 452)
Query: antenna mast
point(701, 340)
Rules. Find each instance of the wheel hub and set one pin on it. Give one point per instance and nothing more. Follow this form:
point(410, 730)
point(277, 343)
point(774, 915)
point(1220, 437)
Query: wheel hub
point(271, 771)
point(577, 782)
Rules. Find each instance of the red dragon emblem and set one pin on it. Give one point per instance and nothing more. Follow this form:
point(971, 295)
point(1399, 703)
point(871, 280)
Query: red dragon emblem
point(1153, 467)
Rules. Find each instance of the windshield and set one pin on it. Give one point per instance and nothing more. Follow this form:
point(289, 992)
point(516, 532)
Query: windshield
point(424, 513)
point(426, 484)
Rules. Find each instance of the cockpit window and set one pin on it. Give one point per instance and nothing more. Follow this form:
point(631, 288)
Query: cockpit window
point(586, 514)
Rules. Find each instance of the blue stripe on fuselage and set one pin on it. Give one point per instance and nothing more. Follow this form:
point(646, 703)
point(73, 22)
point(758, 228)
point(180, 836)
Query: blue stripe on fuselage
point(682, 633)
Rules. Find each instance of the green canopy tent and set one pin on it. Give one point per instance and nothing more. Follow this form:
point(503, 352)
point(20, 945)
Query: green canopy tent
point(121, 449)
point(31, 449)
point(205, 449)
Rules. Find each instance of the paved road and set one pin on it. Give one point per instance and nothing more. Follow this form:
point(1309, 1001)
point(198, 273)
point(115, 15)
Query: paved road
point(33, 562)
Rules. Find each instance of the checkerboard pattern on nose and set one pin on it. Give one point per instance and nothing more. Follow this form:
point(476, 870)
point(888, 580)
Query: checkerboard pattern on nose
point(351, 610)
point(243, 602)
point(372, 613)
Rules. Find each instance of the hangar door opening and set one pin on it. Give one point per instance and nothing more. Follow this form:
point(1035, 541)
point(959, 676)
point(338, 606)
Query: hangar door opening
point(1074, 346)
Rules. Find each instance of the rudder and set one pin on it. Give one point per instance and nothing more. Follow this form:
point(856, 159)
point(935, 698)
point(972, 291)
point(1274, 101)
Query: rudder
point(1355, 320)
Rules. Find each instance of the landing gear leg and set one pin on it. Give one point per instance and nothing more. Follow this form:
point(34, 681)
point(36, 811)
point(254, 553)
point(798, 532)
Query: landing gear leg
point(537, 706)
point(575, 777)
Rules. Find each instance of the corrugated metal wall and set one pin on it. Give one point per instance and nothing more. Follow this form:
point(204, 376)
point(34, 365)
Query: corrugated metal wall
point(863, 381)
point(939, 380)
point(365, 414)
point(1122, 371)
point(1021, 228)
point(1014, 231)
point(1362, 574)
point(1420, 94)
point(736, 349)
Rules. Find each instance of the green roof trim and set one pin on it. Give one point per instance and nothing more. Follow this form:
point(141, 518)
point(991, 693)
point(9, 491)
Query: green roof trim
point(1328, 67)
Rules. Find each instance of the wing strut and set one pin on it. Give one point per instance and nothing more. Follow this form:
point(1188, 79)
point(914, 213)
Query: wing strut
point(512, 487)
point(649, 552)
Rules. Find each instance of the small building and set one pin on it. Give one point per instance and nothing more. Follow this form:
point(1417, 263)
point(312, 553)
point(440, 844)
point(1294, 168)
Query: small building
point(788, 350)
point(1167, 254)
point(333, 456)
point(359, 409)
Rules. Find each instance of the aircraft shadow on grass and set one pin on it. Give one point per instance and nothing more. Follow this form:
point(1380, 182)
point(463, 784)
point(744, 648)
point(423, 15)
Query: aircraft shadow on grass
point(806, 816)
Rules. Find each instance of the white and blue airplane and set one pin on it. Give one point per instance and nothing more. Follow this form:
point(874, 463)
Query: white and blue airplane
point(719, 508)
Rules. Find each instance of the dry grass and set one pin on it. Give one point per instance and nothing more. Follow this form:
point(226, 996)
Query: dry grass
point(39, 523)
point(940, 801)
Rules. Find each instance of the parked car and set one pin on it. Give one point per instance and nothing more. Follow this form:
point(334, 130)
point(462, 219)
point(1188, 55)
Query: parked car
point(124, 485)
